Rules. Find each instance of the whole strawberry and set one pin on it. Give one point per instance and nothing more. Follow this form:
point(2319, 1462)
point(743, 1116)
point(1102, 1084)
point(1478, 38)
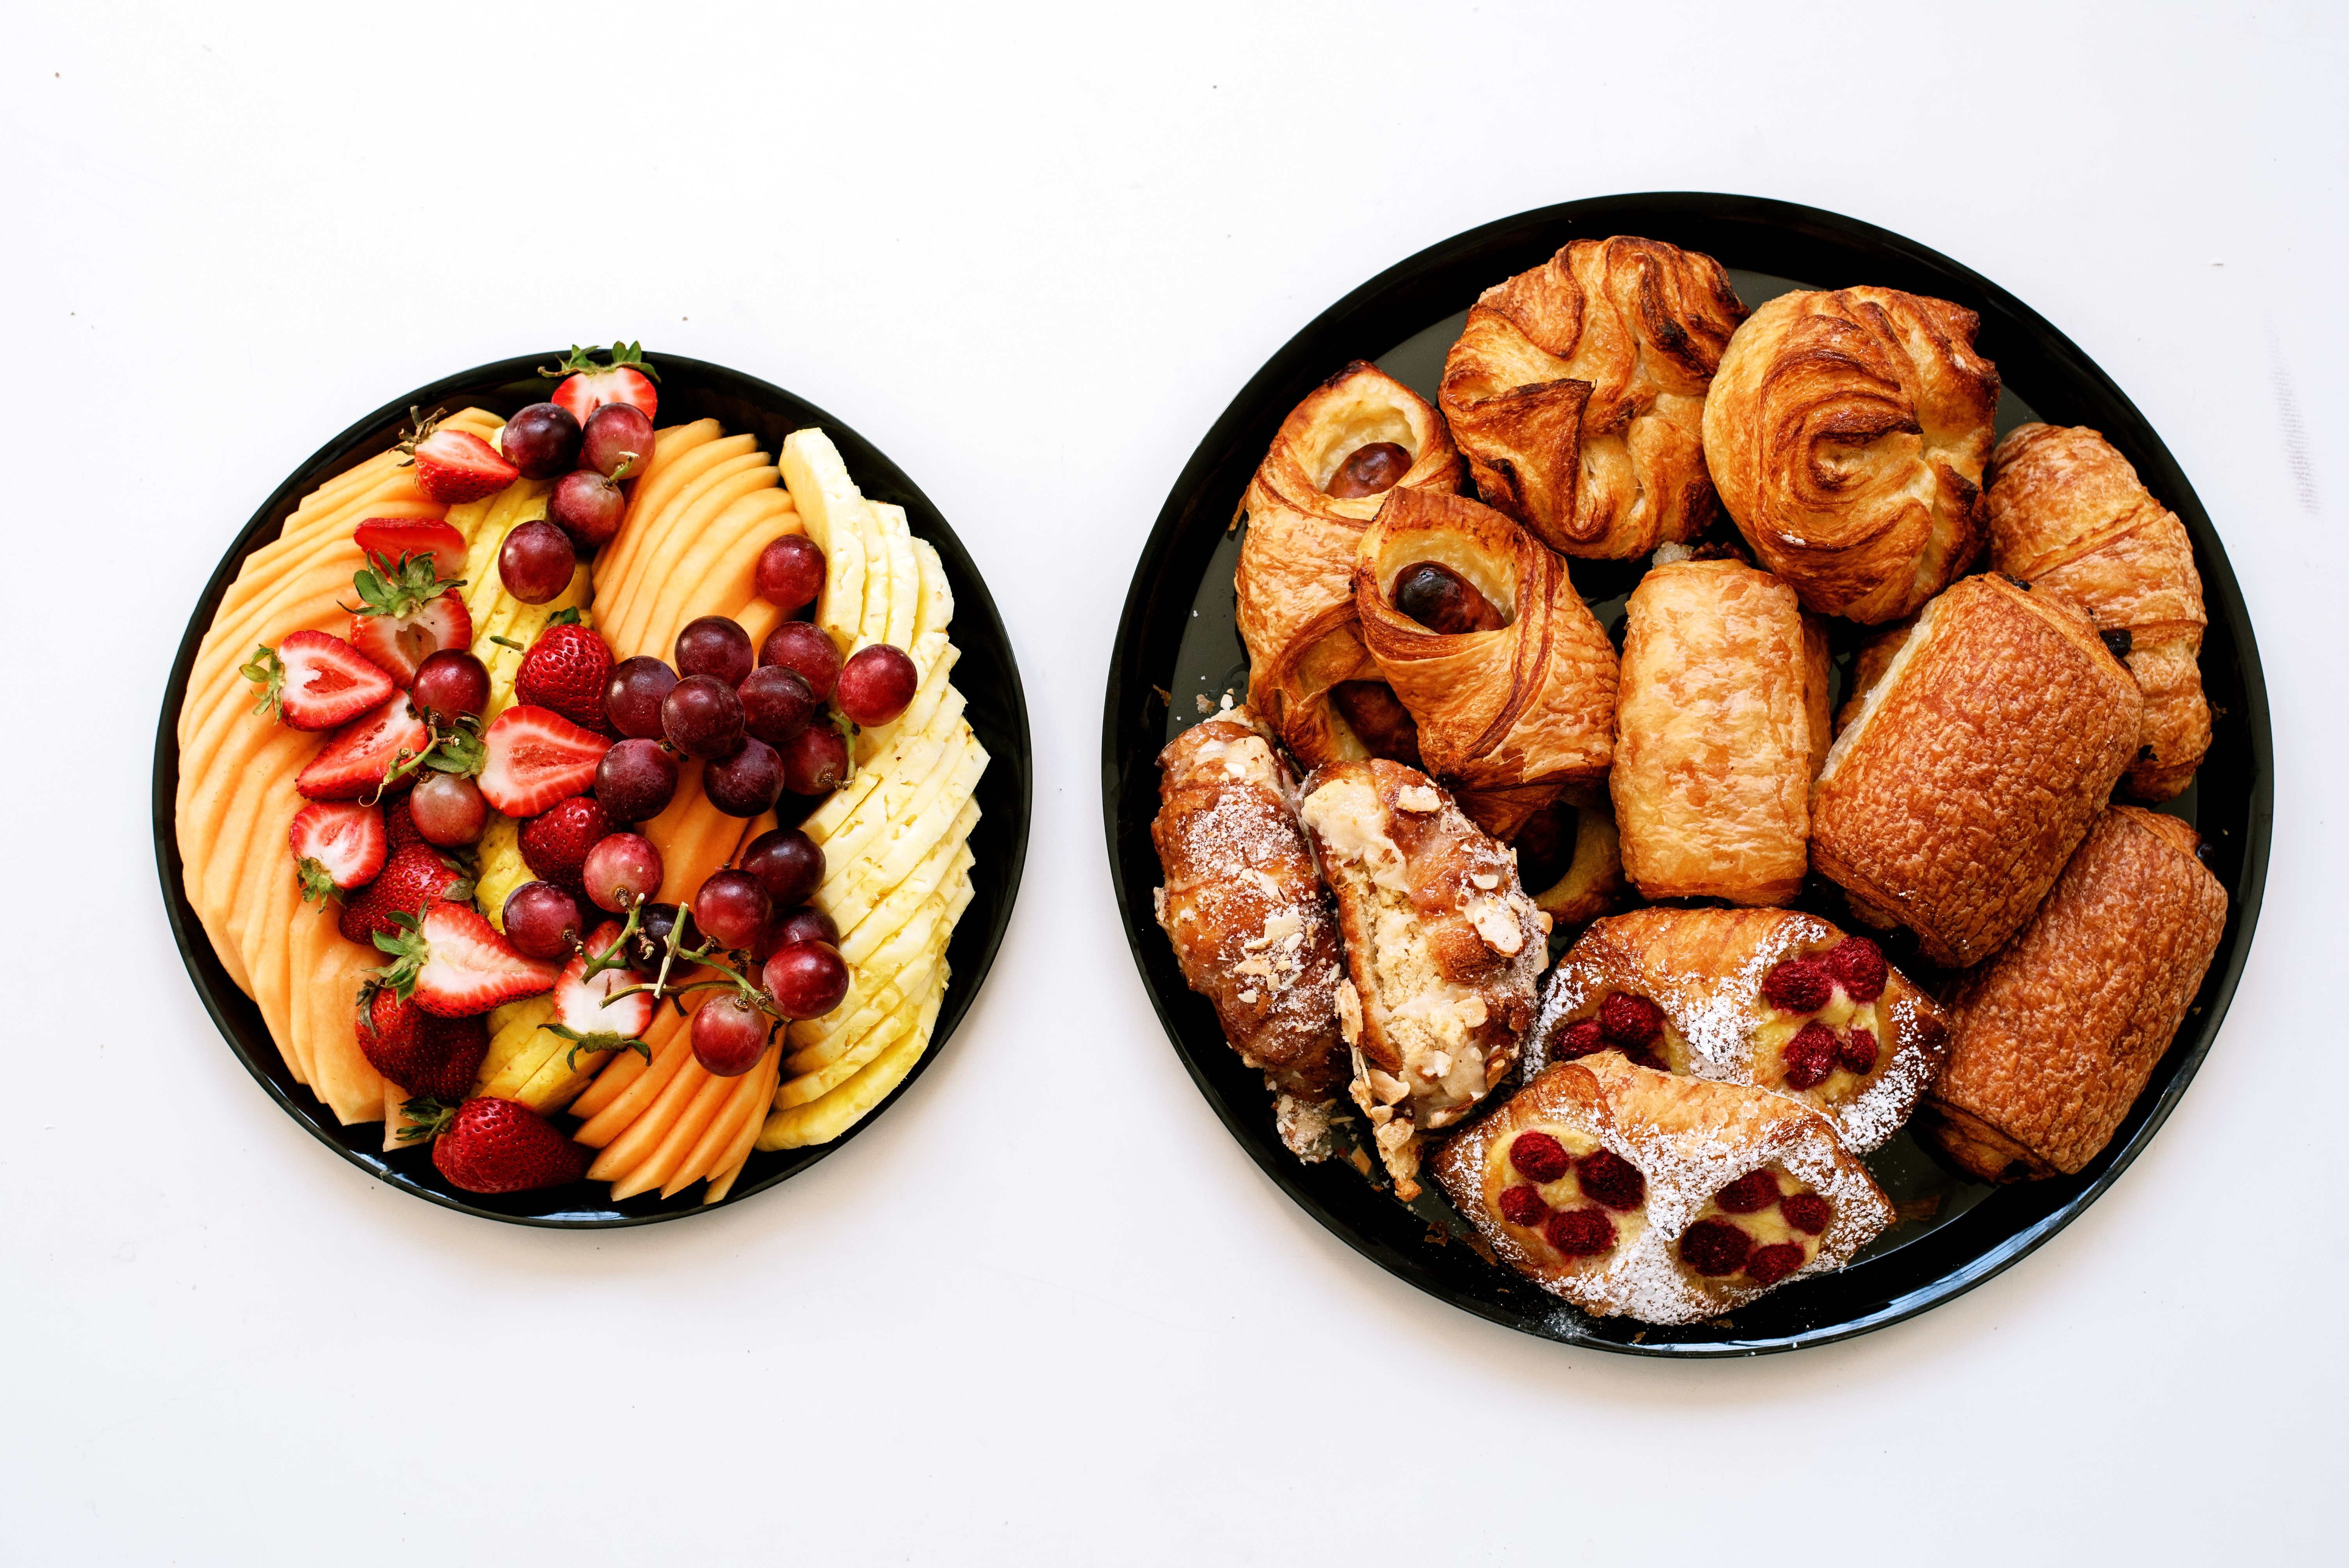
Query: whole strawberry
point(492, 1145)
point(554, 844)
point(566, 670)
point(412, 879)
point(422, 1054)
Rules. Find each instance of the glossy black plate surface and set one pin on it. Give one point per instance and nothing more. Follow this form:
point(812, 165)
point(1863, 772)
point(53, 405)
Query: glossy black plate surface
point(1176, 643)
point(987, 676)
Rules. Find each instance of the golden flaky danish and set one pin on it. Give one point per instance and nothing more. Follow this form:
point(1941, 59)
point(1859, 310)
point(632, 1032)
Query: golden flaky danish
point(1633, 1193)
point(1720, 723)
point(1478, 629)
point(2068, 516)
point(1847, 432)
point(1441, 949)
point(1576, 391)
point(1770, 998)
point(1358, 436)
point(1974, 767)
point(2053, 1040)
point(1250, 922)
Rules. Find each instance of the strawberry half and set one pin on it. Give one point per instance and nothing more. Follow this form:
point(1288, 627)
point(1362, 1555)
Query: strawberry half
point(490, 1145)
point(337, 846)
point(393, 537)
point(585, 1011)
point(415, 878)
point(455, 466)
point(628, 379)
point(315, 680)
point(353, 761)
point(455, 963)
point(407, 614)
point(566, 670)
point(422, 1054)
point(535, 757)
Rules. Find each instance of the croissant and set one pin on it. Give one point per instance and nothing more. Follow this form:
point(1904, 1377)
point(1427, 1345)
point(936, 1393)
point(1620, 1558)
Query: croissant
point(1847, 432)
point(1357, 436)
point(2067, 514)
point(1578, 389)
point(1508, 675)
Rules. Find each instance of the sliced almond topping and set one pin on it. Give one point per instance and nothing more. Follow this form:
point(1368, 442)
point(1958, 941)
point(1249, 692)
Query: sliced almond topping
point(1418, 798)
point(1487, 881)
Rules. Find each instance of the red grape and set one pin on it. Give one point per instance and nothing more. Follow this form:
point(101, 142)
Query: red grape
point(789, 864)
point(876, 684)
point(649, 946)
point(449, 809)
point(714, 646)
point(620, 870)
point(776, 704)
point(536, 561)
point(633, 697)
point(702, 717)
point(450, 682)
point(732, 907)
point(791, 572)
point(806, 924)
point(617, 434)
point(814, 760)
point(746, 782)
point(542, 919)
point(807, 980)
point(543, 441)
point(636, 781)
point(803, 648)
point(729, 1035)
point(587, 507)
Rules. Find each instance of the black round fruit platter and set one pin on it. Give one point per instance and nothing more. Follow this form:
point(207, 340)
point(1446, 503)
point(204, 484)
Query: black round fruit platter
point(1177, 652)
point(985, 673)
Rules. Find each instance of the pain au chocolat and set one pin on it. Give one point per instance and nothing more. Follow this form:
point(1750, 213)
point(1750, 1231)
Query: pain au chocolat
point(1973, 767)
point(1356, 437)
point(1576, 390)
point(2068, 516)
point(1630, 1192)
point(1846, 432)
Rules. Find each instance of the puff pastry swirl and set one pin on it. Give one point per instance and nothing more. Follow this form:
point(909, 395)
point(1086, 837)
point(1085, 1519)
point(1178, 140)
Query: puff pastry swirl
point(1576, 390)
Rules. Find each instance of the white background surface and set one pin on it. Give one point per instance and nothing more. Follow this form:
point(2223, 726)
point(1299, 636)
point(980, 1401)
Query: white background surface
point(1047, 1310)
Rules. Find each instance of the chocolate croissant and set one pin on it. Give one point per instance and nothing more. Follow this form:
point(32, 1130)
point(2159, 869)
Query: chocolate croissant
point(1441, 949)
point(1633, 1193)
point(1847, 432)
point(1771, 998)
point(1973, 767)
point(1356, 436)
point(2068, 515)
point(2053, 1040)
point(1481, 634)
point(1578, 390)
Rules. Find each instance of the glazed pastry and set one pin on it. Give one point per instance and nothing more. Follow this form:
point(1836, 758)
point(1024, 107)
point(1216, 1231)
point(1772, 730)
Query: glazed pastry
point(1441, 949)
point(1636, 1193)
point(1478, 629)
point(1721, 723)
point(1576, 391)
point(1771, 998)
point(1569, 857)
point(1243, 906)
point(1358, 436)
point(1847, 432)
point(2068, 516)
point(1973, 767)
point(2053, 1040)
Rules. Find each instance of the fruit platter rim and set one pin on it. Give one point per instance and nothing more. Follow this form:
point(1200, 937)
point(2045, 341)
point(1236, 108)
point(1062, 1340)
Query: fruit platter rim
point(1785, 240)
point(998, 714)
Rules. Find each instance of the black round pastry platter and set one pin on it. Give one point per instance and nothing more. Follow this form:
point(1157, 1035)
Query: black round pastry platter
point(1177, 652)
point(986, 674)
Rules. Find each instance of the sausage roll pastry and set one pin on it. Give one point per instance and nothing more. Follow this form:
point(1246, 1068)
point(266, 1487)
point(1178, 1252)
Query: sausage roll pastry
point(1576, 391)
point(1973, 767)
point(1441, 949)
point(1720, 723)
point(1243, 906)
point(2068, 515)
point(1477, 628)
point(1771, 998)
point(2053, 1040)
point(1358, 436)
point(1630, 1192)
point(1847, 432)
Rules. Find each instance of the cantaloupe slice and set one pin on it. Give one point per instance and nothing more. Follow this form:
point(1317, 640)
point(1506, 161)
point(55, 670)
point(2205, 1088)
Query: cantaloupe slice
point(745, 1105)
point(651, 1171)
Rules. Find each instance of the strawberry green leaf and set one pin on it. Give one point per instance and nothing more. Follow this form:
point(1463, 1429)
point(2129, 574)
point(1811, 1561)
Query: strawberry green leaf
point(269, 671)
